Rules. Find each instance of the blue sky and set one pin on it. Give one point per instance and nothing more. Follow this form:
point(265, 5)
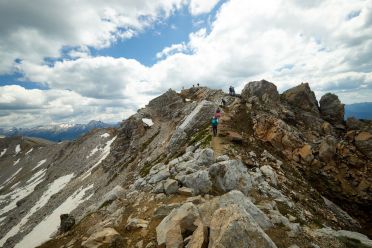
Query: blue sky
point(109, 58)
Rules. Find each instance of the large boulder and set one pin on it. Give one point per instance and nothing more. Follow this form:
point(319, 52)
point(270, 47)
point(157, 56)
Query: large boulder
point(171, 229)
point(302, 97)
point(327, 149)
point(230, 175)
point(331, 109)
point(105, 237)
point(67, 222)
point(232, 226)
point(234, 197)
point(364, 143)
point(263, 90)
point(198, 181)
point(205, 157)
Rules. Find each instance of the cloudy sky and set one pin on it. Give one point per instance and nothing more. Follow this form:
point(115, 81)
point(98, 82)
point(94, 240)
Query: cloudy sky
point(70, 61)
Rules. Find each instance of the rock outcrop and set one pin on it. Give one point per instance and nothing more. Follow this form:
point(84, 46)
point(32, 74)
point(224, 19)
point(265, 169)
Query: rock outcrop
point(263, 91)
point(302, 97)
point(331, 109)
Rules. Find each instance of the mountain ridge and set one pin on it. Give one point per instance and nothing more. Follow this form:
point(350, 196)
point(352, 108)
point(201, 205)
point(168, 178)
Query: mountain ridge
point(280, 173)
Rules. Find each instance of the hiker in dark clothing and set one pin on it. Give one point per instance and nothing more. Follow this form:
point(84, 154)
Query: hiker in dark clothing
point(214, 123)
point(231, 91)
point(223, 102)
point(198, 84)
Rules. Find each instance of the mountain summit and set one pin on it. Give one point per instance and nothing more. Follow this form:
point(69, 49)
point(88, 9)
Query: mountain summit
point(283, 171)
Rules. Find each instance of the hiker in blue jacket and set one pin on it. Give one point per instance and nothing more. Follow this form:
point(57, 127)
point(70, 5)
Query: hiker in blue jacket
point(214, 123)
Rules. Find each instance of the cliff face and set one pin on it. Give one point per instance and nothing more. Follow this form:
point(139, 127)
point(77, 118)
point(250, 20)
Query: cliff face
point(275, 176)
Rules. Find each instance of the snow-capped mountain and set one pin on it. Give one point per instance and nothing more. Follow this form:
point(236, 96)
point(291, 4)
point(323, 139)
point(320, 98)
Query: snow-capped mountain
point(56, 132)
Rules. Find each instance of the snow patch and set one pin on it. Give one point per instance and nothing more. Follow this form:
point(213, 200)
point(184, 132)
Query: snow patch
point(29, 151)
point(3, 152)
point(39, 164)
point(148, 121)
point(16, 162)
point(17, 149)
point(105, 135)
point(11, 177)
point(105, 153)
point(19, 194)
point(56, 186)
point(43, 231)
point(188, 100)
point(93, 152)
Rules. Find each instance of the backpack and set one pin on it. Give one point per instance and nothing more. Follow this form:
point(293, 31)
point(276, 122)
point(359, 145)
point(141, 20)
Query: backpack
point(214, 122)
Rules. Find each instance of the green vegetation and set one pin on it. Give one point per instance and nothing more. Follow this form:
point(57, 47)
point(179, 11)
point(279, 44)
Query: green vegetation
point(203, 136)
point(148, 165)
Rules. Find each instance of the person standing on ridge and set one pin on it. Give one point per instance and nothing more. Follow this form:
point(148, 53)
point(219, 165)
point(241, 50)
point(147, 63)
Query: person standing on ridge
point(214, 123)
point(218, 114)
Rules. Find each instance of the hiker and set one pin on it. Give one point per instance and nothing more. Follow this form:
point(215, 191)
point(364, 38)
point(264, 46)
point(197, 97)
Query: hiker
point(223, 102)
point(231, 91)
point(198, 84)
point(218, 114)
point(214, 123)
point(193, 86)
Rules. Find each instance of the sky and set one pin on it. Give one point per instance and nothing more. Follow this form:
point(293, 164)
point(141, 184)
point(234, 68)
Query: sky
point(74, 61)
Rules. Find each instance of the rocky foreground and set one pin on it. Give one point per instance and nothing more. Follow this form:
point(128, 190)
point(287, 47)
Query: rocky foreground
point(284, 171)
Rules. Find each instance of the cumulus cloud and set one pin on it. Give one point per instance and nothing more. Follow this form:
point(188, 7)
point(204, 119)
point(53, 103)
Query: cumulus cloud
point(30, 107)
point(198, 7)
point(326, 43)
point(33, 30)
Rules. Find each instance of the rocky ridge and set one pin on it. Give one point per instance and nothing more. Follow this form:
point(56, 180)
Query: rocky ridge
point(283, 172)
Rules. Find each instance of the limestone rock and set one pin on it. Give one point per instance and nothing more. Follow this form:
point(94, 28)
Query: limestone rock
point(134, 223)
point(234, 227)
point(268, 171)
point(331, 109)
point(363, 240)
point(105, 237)
point(234, 197)
point(170, 186)
point(263, 90)
point(199, 238)
point(206, 157)
point(327, 149)
point(164, 210)
point(67, 222)
point(185, 191)
point(364, 143)
point(230, 175)
point(198, 181)
point(302, 97)
point(169, 231)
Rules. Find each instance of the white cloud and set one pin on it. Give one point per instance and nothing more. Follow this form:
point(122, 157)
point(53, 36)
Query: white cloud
point(287, 42)
point(33, 30)
point(198, 7)
point(175, 48)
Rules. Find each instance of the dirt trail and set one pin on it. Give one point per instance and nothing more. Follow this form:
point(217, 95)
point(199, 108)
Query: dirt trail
point(219, 143)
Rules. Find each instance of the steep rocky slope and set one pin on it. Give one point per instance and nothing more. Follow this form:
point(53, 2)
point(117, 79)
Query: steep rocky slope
point(283, 172)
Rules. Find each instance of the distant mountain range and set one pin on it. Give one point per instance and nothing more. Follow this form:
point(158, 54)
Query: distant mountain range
point(56, 133)
point(359, 110)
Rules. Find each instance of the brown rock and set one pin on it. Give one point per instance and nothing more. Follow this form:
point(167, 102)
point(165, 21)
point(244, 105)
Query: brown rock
point(327, 149)
point(234, 227)
point(363, 141)
point(302, 97)
point(306, 153)
point(262, 90)
point(170, 230)
point(105, 237)
point(331, 109)
point(199, 238)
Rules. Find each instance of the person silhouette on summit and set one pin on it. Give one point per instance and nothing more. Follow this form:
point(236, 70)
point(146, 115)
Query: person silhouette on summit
point(231, 91)
point(214, 124)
